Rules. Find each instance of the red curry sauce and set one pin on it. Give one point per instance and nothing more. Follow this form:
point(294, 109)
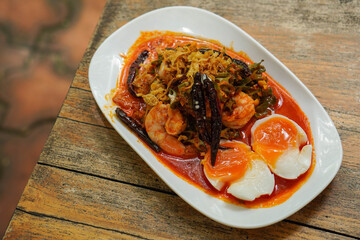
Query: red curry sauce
point(191, 170)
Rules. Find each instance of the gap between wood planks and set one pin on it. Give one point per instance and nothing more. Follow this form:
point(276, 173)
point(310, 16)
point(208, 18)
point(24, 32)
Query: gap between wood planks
point(156, 190)
point(36, 214)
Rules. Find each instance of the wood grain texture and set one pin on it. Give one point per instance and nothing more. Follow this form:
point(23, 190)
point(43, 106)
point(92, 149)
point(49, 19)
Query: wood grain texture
point(104, 148)
point(326, 207)
point(84, 186)
point(97, 151)
point(144, 213)
point(37, 226)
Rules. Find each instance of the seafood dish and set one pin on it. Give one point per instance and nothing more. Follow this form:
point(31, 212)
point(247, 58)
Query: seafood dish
point(215, 118)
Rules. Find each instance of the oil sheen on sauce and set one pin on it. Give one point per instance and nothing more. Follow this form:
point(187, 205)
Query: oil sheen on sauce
point(191, 170)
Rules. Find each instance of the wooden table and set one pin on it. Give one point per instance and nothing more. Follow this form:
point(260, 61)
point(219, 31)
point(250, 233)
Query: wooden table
point(90, 184)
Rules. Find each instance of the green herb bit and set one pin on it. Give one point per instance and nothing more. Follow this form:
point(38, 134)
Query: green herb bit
point(222, 75)
point(228, 89)
point(268, 92)
point(262, 114)
point(221, 94)
point(253, 92)
point(222, 79)
point(229, 105)
point(244, 89)
point(246, 81)
point(184, 84)
point(228, 133)
point(257, 66)
point(265, 106)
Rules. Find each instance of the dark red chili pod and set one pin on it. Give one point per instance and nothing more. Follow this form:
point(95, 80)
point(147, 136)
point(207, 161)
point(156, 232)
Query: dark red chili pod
point(216, 122)
point(137, 128)
point(132, 71)
point(199, 107)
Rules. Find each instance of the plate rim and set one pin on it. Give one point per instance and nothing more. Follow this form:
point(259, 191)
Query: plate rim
point(140, 151)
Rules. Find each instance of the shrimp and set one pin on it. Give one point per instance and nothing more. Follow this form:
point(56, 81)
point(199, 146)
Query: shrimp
point(175, 124)
point(161, 124)
point(242, 113)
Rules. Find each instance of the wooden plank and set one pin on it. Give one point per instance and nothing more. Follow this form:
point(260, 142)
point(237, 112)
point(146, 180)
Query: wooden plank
point(120, 207)
point(351, 150)
point(81, 77)
point(99, 151)
point(80, 105)
point(26, 226)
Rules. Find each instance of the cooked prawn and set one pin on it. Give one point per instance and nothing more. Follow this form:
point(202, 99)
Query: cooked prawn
point(242, 113)
point(175, 123)
point(161, 123)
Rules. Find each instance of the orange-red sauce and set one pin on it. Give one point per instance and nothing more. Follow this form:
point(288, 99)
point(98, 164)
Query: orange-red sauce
point(191, 170)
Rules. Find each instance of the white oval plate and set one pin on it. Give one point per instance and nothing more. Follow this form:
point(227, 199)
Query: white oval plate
point(105, 67)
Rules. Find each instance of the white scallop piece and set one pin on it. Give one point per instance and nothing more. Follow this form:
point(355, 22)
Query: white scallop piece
point(292, 162)
point(257, 181)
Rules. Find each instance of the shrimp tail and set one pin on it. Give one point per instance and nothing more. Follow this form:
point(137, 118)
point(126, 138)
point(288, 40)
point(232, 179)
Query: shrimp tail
point(136, 128)
point(132, 71)
point(216, 123)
